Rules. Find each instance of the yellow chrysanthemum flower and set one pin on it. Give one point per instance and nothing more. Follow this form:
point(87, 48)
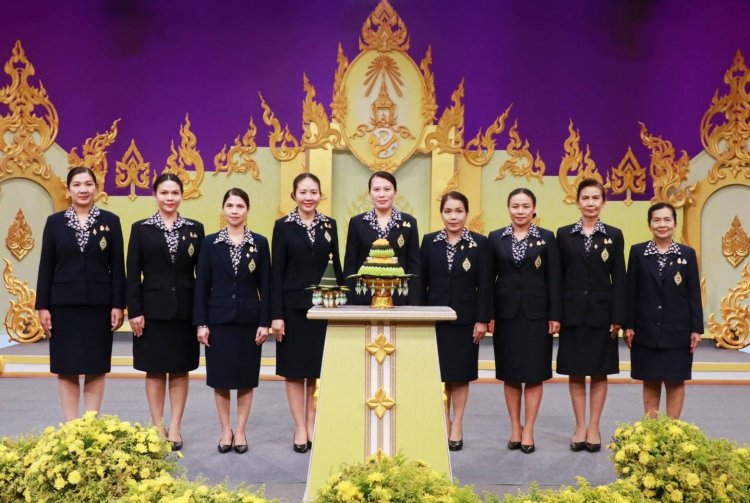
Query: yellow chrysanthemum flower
point(649, 481)
point(74, 477)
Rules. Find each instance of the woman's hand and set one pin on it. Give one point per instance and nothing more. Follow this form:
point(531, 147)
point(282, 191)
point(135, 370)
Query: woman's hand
point(45, 319)
point(480, 330)
point(628, 335)
point(695, 339)
point(554, 327)
point(138, 324)
point(261, 335)
point(277, 326)
point(203, 334)
point(491, 327)
point(614, 329)
point(117, 317)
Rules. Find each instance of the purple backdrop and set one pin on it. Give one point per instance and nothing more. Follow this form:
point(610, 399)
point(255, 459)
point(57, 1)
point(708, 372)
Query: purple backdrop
point(605, 64)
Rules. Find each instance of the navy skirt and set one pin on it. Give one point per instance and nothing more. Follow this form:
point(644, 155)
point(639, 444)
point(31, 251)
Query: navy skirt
point(300, 353)
point(166, 346)
point(232, 357)
point(81, 341)
point(458, 354)
point(523, 350)
point(652, 364)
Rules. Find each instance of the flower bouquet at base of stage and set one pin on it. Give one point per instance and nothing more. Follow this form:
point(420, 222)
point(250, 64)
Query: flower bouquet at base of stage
point(328, 293)
point(382, 276)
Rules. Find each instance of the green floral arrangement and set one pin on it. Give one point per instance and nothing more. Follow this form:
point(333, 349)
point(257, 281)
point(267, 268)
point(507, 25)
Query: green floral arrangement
point(12, 454)
point(393, 479)
point(93, 459)
point(672, 460)
point(166, 488)
point(620, 491)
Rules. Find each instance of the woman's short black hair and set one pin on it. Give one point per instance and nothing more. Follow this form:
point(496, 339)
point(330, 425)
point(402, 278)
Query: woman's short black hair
point(591, 182)
point(77, 171)
point(234, 191)
point(384, 175)
point(522, 190)
point(457, 196)
point(661, 206)
point(167, 177)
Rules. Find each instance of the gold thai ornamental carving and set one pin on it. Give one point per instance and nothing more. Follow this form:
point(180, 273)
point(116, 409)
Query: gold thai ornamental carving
point(95, 157)
point(19, 241)
point(284, 146)
point(30, 135)
point(521, 162)
point(734, 332)
point(725, 126)
point(627, 178)
point(667, 173)
point(480, 149)
point(476, 224)
point(429, 101)
point(187, 155)
point(239, 159)
point(21, 322)
point(318, 132)
point(132, 171)
point(735, 244)
point(380, 403)
point(338, 102)
point(574, 161)
point(448, 136)
point(380, 348)
point(384, 30)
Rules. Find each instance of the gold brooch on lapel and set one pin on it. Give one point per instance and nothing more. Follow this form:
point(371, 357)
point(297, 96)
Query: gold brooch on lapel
point(472, 244)
point(538, 261)
point(106, 227)
point(183, 238)
point(94, 232)
point(251, 265)
point(252, 249)
point(596, 246)
point(406, 224)
point(191, 250)
point(103, 243)
point(467, 264)
point(401, 241)
point(607, 241)
point(543, 242)
point(605, 255)
point(531, 243)
point(678, 278)
point(327, 236)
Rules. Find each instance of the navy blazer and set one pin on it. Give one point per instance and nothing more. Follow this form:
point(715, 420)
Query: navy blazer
point(593, 284)
point(298, 264)
point(157, 288)
point(359, 243)
point(534, 286)
point(222, 297)
point(664, 310)
point(69, 277)
point(467, 287)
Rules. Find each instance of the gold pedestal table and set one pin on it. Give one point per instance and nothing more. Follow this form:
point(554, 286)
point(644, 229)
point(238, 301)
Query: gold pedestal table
point(380, 389)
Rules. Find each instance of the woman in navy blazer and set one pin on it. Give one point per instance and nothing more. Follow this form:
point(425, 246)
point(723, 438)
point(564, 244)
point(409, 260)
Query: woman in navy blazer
point(162, 255)
point(527, 312)
point(593, 277)
point(665, 315)
point(302, 243)
point(457, 272)
point(387, 222)
point(232, 313)
point(81, 292)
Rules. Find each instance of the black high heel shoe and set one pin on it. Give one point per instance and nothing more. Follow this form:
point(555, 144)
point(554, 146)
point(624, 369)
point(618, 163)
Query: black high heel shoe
point(528, 449)
point(301, 448)
point(224, 448)
point(455, 445)
point(241, 448)
point(176, 444)
point(577, 446)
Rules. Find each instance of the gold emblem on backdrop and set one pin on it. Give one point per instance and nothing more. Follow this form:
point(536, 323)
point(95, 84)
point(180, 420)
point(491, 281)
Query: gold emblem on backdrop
point(627, 178)
point(19, 240)
point(239, 159)
point(21, 321)
point(380, 348)
point(132, 171)
point(735, 244)
point(734, 332)
point(521, 162)
point(574, 161)
point(667, 173)
point(380, 403)
point(94, 152)
point(186, 155)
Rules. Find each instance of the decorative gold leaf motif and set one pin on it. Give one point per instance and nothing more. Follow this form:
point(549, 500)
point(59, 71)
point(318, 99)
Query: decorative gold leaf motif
point(132, 171)
point(476, 224)
point(448, 136)
point(727, 141)
point(19, 240)
point(521, 162)
point(95, 157)
point(239, 159)
point(429, 103)
point(380, 403)
point(735, 244)
point(479, 151)
point(380, 348)
point(338, 103)
point(453, 183)
point(317, 129)
point(30, 134)
point(574, 161)
point(384, 30)
point(627, 178)
point(21, 322)
point(187, 155)
point(734, 332)
point(667, 174)
point(284, 146)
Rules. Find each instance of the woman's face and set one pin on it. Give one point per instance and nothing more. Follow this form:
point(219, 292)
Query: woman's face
point(307, 195)
point(82, 190)
point(591, 202)
point(168, 197)
point(235, 211)
point(454, 215)
point(521, 209)
point(382, 194)
point(662, 223)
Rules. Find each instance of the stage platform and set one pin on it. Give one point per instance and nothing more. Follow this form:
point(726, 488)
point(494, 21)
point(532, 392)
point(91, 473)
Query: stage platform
point(711, 364)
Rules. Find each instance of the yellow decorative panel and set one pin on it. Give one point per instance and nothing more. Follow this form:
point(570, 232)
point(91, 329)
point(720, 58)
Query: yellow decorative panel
point(19, 240)
point(132, 171)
